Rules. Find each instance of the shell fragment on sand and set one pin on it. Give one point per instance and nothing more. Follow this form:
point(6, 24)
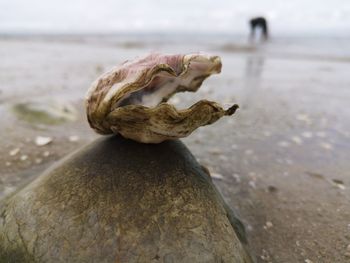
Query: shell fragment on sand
point(14, 151)
point(42, 140)
point(131, 99)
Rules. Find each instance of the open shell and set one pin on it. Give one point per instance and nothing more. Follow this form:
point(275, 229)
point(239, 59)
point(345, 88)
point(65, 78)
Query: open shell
point(131, 98)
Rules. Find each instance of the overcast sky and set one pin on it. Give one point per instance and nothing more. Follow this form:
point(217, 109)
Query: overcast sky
point(205, 16)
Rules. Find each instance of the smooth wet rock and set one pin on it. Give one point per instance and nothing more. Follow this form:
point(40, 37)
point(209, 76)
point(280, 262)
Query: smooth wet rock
point(120, 201)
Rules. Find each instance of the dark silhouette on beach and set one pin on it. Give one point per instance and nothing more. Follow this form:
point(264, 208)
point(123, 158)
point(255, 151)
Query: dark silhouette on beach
point(259, 22)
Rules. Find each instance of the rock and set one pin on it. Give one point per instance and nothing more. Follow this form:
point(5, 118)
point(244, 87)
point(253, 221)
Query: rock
point(120, 201)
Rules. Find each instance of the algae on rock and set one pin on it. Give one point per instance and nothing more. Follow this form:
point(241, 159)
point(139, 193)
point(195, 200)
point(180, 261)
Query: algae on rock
point(120, 201)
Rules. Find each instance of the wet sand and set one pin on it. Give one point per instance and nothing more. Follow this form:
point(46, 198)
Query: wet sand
point(282, 162)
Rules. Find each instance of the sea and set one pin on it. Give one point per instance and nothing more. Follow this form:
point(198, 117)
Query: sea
point(311, 28)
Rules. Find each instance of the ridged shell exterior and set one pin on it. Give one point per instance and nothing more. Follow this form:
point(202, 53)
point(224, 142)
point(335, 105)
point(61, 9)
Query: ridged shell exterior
point(114, 103)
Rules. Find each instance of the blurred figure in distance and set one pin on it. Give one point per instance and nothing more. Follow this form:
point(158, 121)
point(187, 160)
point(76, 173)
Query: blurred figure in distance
point(259, 22)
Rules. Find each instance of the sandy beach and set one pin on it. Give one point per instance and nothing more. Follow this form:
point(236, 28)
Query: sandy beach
point(281, 162)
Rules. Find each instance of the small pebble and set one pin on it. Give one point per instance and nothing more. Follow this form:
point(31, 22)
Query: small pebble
point(234, 146)
point(347, 253)
point(46, 153)
point(297, 140)
point(250, 228)
point(24, 157)
point(237, 178)
point(252, 184)
point(308, 261)
point(315, 175)
point(268, 225)
point(41, 140)
point(340, 186)
point(14, 152)
point(337, 181)
point(73, 138)
point(8, 163)
point(284, 144)
point(326, 145)
point(307, 134)
point(216, 176)
point(265, 255)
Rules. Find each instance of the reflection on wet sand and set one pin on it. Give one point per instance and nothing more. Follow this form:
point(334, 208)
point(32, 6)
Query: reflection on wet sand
point(252, 78)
